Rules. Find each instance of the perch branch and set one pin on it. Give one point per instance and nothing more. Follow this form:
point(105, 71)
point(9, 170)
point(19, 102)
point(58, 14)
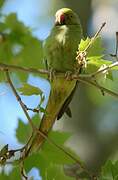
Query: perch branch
point(85, 78)
point(4, 67)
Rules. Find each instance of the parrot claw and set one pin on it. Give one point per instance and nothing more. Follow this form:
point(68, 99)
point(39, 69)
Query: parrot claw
point(51, 74)
point(68, 75)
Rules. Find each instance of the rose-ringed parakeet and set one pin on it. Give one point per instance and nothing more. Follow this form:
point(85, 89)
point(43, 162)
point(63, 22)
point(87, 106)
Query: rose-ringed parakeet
point(60, 52)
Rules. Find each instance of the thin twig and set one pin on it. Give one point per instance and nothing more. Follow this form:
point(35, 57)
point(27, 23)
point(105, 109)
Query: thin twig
point(19, 99)
point(4, 67)
point(94, 37)
point(87, 81)
point(35, 110)
point(104, 69)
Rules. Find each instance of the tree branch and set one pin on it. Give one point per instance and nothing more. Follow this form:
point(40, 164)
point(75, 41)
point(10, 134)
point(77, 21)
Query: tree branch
point(4, 67)
point(95, 84)
point(108, 67)
point(84, 78)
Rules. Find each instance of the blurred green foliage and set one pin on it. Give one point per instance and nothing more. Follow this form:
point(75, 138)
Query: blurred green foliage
point(18, 46)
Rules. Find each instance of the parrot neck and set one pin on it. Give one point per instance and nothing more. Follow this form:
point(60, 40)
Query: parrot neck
point(62, 33)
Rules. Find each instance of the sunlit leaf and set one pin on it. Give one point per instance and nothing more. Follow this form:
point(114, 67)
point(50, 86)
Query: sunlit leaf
point(96, 48)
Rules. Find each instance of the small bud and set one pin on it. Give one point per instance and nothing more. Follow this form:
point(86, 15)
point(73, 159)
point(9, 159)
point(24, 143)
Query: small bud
point(81, 58)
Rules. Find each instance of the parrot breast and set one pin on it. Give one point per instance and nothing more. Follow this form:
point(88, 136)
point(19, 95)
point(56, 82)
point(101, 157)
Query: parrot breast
point(61, 46)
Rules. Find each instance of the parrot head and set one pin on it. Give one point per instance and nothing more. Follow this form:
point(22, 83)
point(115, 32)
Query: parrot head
point(66, 16)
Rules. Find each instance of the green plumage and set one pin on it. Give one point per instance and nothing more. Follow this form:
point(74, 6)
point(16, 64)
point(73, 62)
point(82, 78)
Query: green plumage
point(60, 52)
point(61, 46)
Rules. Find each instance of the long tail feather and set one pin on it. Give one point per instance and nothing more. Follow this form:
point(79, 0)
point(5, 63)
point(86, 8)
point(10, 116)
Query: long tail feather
point(61, 89)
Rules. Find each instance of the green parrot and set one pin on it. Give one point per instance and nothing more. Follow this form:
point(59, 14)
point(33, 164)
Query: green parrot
point(60, 52)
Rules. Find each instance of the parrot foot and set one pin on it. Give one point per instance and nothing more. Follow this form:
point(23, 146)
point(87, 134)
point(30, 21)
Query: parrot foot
point(68, 75)
point(52, 74)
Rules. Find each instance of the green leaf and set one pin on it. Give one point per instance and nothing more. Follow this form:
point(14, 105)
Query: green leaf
point(95, 63)
point(95, 56)
point(16, 26)
point(38, 161)
point(29, 90)
point(46, 160)
point(56, 172)
point(83, 44)
point(95, 49)
point(47, 169)
point(59, 137)
point(23, 131)
point(51, 151)
point(31, 54)
point(109, 171)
